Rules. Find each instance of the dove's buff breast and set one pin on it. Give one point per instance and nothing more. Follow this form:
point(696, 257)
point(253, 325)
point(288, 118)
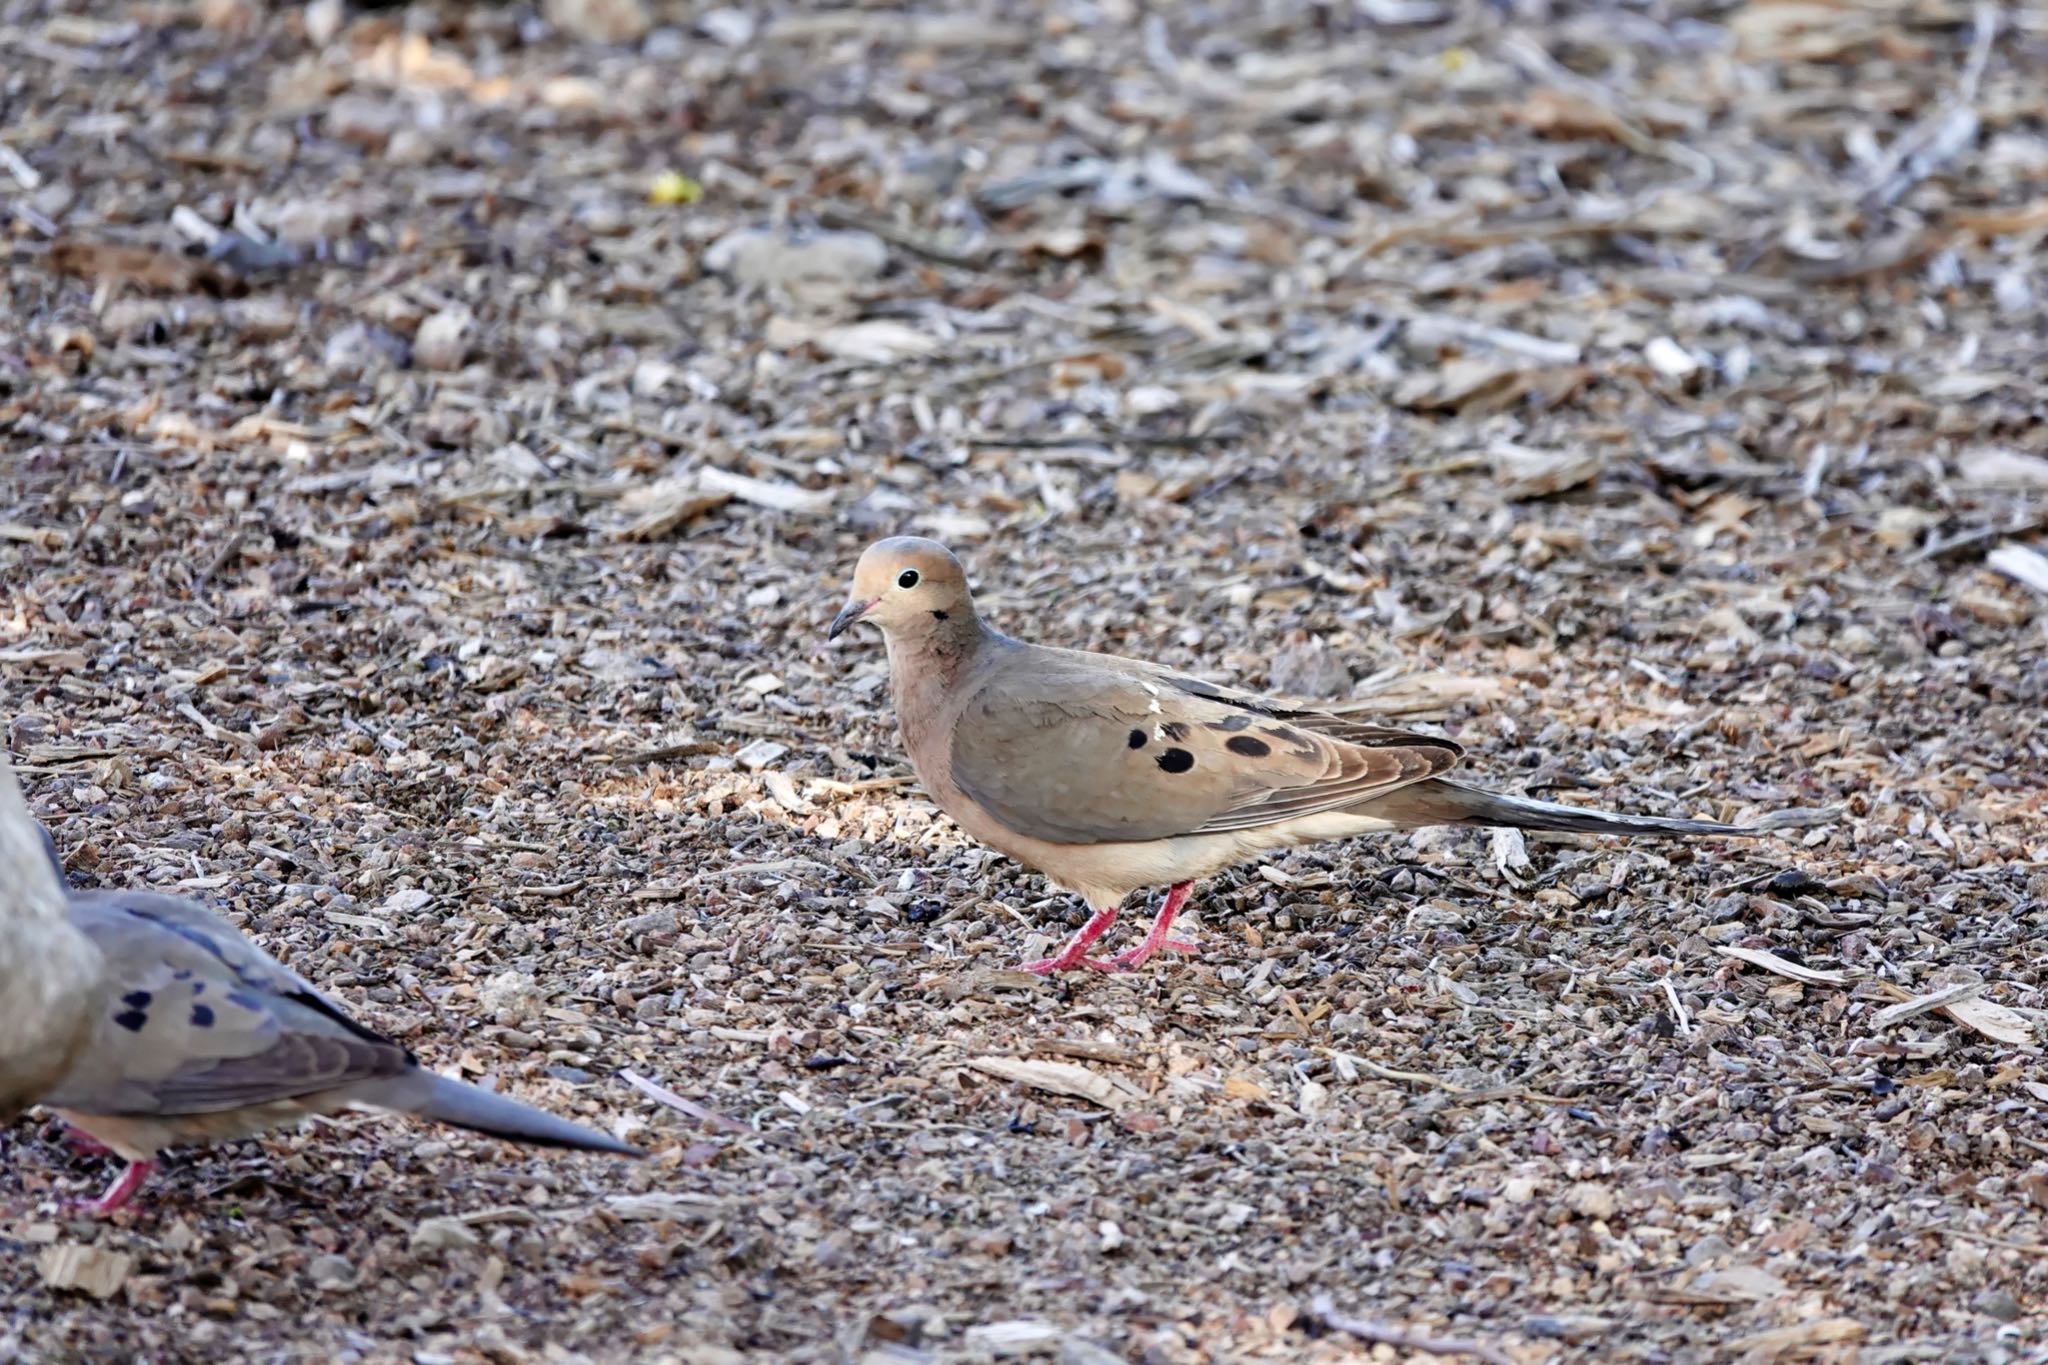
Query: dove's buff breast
point(929, 698)
point(50, 993)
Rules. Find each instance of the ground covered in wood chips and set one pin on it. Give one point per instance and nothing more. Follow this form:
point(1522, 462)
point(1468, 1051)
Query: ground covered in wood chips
point(433, 440)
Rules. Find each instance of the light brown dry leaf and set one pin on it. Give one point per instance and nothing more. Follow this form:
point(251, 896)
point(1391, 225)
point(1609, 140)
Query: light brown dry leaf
point(157, 271)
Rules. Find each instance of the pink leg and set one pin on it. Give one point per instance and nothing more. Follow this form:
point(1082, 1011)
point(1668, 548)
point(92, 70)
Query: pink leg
point(1156, 939)
point(120, 1192)
point(1075, 954)
point(85, 1144)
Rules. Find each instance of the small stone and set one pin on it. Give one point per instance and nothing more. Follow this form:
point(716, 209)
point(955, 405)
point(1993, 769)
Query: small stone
point(362, 349)
point(323, 20)
point(309, 222)
point(1708, 1248)
point(760, 754)
point(263, 318)
point(445, 1234)
point(1590, 1200)
point(331, 1273)
point(510, 997)
point(442, 342)
point(1670, 359)
point(764, 257)
point(599, 21)
point(1998, 1304)
point(407, 901)
point(729, 26)
point(364, 120)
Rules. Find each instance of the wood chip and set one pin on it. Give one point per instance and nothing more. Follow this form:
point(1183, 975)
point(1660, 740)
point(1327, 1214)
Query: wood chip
point(70, 1266)
point(2021, 563)
point(1059, 1078)
point(1778, 1341)
point(1993, 1020)
point(1922, 1004)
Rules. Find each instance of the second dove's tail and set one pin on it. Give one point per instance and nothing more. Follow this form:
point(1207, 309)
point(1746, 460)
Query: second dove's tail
point(447, 1100)
point(1440, 802)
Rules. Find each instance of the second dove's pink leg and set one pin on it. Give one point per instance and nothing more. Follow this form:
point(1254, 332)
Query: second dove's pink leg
point(1075, 954)
point(85, 1144)
point(121, 1191)
point(1156, 939)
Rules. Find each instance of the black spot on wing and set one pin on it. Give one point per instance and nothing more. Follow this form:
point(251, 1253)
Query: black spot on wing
point(1298, 744)
point(1137, 739)
point(1175, 760)
point(137, 1000)
point(202, 1016)
point(1175, 731)
point(132, 1020)
point(1249, 747)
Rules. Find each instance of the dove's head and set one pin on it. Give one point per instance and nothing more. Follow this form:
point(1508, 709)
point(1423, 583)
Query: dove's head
point(905, 584)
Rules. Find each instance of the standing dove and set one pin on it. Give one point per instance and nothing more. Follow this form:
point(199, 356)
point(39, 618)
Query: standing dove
point(197, 1035)
point(1110, 774)
point(50, 973)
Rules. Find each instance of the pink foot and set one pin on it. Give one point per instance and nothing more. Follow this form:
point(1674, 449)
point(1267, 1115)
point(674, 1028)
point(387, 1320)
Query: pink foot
point(1156, 940)
point(1130, 958)
point(1075, 954)
point(85, 1144)
point(119, 1193)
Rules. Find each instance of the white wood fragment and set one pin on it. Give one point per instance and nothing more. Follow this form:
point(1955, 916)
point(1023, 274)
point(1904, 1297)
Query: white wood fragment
point(1771, 962)
point(2020, 562)
point(1059, 1078)
point(1922, 1004)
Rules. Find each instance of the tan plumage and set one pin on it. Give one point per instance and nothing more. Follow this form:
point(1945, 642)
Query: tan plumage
point(50, 982)
point(1110, 774)
point(193, 1034)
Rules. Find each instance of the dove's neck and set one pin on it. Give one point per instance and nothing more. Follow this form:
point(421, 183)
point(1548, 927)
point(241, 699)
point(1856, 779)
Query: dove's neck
point(928, 663)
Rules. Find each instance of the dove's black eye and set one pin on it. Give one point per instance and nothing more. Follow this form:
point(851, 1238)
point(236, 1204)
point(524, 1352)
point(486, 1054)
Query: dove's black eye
point(907, 579)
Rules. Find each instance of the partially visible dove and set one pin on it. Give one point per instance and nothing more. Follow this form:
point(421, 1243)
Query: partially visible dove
point(50, 973)
point(197, 1035)
point(1110, 774)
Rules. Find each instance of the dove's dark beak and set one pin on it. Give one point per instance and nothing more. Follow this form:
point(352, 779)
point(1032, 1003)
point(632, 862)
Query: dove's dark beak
point(848, 614)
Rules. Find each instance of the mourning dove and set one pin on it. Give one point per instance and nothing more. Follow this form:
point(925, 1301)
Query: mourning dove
point(197, 1035)
point(1110, 774)
point(50, 973)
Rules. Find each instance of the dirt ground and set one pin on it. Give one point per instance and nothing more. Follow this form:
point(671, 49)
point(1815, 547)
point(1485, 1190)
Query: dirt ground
point(433, 440)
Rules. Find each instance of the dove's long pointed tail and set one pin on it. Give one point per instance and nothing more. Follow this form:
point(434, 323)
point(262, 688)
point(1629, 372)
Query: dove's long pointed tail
point(444, 1099)
point(1440, 802)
